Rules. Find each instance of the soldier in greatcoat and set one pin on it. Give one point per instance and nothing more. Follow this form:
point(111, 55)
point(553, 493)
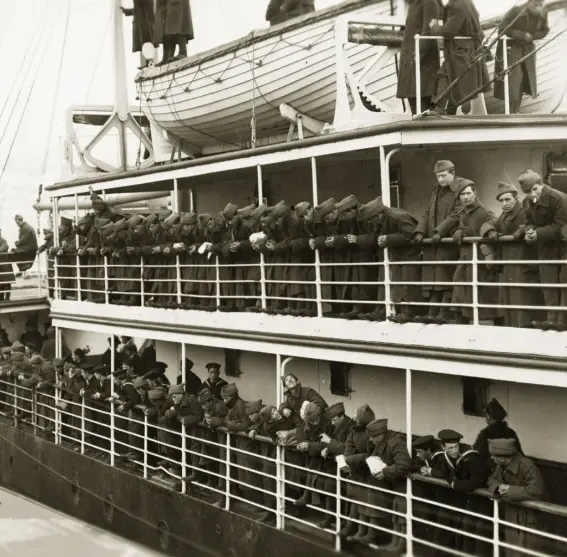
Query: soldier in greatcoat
point(143, 24)
point(471, 218)
point(65, 252)
point(461, 20)
point(296, 396)
point(184, 410)
point(270, 424)
point(26, 244)
point(391, 449)
point(418, 17)
point(221, 250)
point(394, 230)
point(546, 214)
point(7, 277)
point(171, 232)
point(442, 204)
point(465, 470)
point(186, 247)
point(355, 453)
point(215, 413)
point(333, 444)
point(173, 28)
point(101, 405)
point(82, 231)
point(524, 24)
point(497, 428)
point(6, 382)
point(301, 277)
point(512, 222)
point(516, 479)
point(325, 228)
point(279, 11)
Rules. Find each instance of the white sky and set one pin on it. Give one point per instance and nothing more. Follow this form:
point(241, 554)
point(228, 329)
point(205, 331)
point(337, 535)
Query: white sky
point(31, 40)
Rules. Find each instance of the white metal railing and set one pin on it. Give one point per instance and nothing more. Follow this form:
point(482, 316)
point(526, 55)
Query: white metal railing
point(235, 469)
point(34, 281)
point(322, 283)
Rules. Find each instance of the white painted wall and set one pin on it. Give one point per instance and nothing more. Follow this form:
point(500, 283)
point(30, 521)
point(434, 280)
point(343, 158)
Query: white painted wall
point(14, 323)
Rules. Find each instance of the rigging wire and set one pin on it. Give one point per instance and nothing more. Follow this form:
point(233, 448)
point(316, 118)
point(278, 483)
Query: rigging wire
point(56, 94)
point(20, 70)
point(47, 41)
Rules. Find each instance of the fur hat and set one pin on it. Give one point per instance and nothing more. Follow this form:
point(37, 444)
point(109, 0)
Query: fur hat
point(188, 218)
point(335, 410)
point(529, 179)
point(442, 166)
point(266, 413)
point(229, 211)
point(377, 427)
point(365, 415)
point(205, 396)
point(253, 407)
point(177, 389)
point(503, 188)
point(229, 390)
point(312, 412)
point(502, 447)
point(462, 185)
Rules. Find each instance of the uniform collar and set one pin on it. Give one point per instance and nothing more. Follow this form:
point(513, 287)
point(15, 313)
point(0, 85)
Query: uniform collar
point(545, 195)
point(514, 466)
point(472, 207)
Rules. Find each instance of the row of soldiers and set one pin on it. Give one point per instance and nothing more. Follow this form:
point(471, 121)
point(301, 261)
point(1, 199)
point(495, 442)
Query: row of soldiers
point(318, 437)
point(351, 238)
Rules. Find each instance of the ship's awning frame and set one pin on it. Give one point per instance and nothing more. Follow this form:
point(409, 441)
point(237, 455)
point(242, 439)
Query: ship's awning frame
point(425, 132)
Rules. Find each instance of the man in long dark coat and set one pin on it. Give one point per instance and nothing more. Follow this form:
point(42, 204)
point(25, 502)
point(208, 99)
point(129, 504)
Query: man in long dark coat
point(461, 20)
point(7, 277)
point(443, 203)
point(173, 27)
point(546, 215)
point(472, 217)
point(282, 10)
point(45, 247)
point(525, 24)
point(419, 15)
point(512, 222)
point(497, 428)
point(516, 479)
point(142, 25)
point(26, 244)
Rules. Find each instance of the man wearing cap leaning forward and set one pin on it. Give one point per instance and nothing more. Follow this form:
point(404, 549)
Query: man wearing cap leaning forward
point(443, 203)
point(512, 222)
point(516, 479)
point(465, 470)
point(546, 215)
point(391, 449)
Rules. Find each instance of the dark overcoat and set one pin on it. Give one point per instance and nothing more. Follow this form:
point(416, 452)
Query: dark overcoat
point(508, 224)
point(357, 449)
point(462, 20)
point(282, 10)
point(471, 220)
point(442, 203)
point(6, 270)
point(419, 15)
point(173, 17)
point(523, 78)
point(142, 24)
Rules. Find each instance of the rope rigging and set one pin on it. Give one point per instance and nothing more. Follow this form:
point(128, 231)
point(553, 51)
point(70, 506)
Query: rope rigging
point(44, 42)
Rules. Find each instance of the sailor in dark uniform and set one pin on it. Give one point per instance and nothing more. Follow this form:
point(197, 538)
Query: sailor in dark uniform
point(465, 470)
point(214, 382)
point(497, 428)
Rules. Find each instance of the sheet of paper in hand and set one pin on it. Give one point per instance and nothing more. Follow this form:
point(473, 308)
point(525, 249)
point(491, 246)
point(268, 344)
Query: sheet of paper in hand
point(375, 464)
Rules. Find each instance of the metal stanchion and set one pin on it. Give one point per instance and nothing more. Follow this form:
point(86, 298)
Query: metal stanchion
point(475, 283)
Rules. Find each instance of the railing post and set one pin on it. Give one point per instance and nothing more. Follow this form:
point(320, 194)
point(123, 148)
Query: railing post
point(496, 530)
point(141, 280)
point(57, 424)
point(77, 245)
point(55, 210)
point(217, 282)
point(34, 409)
point(178, 279)
point(409, 490)
point(112, 413)
point(388, 309)
point(338, 541)
point(315, 195)
point(184, 458)
point(417, 75)
point(475, 283)
point(106, 295)
point(82, 425)
point(504, 39)
point(145, 459)
point(227, 473)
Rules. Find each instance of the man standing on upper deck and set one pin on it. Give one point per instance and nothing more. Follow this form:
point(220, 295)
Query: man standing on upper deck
point(419, 15)
point(142, 26)
point(546, 215)
point(461, 20)
point(523, 25)
point(173, 28)
point(26, 245)
point(281, 10)
point(443, 203)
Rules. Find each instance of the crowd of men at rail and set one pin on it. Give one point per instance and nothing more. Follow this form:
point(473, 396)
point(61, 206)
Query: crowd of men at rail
point(315, 433)
point(463, 73)
point(347, 234)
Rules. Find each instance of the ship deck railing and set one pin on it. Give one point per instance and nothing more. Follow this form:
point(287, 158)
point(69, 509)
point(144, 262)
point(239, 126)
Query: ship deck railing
point(186, 281)
point(263, 480)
